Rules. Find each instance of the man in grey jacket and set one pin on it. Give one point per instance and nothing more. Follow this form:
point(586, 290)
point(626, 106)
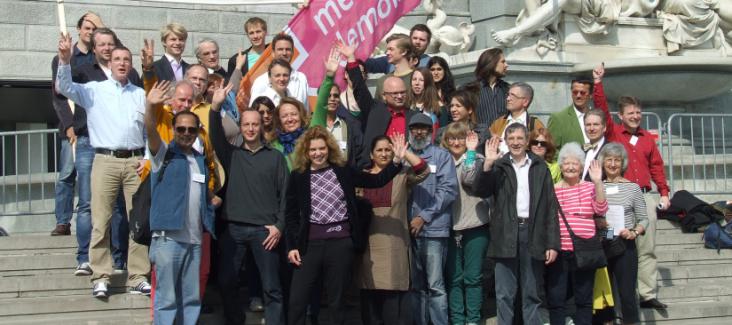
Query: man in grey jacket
point(524, 225)
point(430, 222)
point(253, 212)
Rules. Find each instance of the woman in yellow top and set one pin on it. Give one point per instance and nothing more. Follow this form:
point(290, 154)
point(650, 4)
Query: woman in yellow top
point(541, 144)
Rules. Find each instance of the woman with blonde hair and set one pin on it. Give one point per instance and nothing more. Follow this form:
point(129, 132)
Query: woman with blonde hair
point(541, 143)
point(324, 227)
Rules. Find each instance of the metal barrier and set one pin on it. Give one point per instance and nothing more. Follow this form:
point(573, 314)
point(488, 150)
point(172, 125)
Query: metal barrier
point(29, 171)
point(651, 122)
point(699, 156)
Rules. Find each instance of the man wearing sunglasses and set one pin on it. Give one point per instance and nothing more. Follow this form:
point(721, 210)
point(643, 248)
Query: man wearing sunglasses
point(181, 209)
point(568, 124)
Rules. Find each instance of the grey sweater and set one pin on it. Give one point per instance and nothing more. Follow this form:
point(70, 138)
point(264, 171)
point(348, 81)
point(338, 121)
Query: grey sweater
point(256, 180)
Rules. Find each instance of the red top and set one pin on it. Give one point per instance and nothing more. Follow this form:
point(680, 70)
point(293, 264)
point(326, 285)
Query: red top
point(644, 159)
point(398, 122)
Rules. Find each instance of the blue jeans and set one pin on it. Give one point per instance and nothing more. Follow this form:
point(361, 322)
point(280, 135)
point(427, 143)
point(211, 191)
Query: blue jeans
point(65, 185)
point(234, 242)
point(177, 297)
point(430, 296)
point(81, 168)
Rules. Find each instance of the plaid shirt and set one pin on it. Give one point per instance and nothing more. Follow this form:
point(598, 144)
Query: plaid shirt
point(326, 195)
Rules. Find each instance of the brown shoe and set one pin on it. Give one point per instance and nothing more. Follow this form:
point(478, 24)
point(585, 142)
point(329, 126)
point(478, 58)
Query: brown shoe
point(61, 230)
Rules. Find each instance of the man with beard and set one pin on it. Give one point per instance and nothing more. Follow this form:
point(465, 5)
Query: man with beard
point(430, 221)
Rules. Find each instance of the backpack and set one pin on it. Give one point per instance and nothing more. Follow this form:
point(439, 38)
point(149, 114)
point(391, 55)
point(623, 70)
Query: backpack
point(718, 237)
point(139, 220)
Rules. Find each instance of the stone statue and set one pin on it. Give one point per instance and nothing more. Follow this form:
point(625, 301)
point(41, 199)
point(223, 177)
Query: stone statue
point(446, 39)
point(686, 23)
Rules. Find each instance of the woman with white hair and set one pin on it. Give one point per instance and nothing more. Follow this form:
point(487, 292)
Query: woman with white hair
point(579, 201)
point(627, 196)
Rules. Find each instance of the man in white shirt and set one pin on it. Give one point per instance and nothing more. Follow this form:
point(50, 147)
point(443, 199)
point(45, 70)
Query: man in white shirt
point(282, 48)
point(115, 109)
point(595, 131)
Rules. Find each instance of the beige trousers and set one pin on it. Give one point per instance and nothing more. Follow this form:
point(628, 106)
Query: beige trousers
point(647, 262)
point(108, 175)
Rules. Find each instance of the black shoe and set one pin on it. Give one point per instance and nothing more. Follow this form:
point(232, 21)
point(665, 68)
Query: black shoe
point(652, 303)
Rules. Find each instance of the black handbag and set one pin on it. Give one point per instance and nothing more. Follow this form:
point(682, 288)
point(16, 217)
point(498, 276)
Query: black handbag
point(588, 252)
point(613, 247)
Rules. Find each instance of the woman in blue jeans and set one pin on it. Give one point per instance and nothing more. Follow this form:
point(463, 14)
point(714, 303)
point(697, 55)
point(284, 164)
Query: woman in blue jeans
point(469, 236)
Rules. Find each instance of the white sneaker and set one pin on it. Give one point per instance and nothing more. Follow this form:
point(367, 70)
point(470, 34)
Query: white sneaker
point(143, 288)
point(83, 269)
point(100, 290)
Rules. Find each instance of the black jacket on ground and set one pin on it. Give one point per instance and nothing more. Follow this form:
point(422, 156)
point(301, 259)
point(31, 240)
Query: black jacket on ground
point(299, 205)
point(500, 183)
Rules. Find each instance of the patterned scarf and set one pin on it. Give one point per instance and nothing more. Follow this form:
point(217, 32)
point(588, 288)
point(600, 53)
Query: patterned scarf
point(287, 139)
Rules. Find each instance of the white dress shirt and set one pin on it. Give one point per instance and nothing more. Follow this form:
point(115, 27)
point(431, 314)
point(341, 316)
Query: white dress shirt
point(297, 88)
point(591, 155)
point(523, 194)
point(114, 112)
point(581, 119)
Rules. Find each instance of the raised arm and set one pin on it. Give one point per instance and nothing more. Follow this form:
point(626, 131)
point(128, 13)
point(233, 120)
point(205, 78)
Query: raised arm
point(600, 100)
point(157, 96)
point(64, 84)
point(222, 148)
point(147, 54)
point(235, 74)
point(360, 91)
point(321, 105)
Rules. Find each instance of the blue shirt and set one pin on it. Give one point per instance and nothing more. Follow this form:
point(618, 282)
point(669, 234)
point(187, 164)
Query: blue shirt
point(115, 112)
point(432, 198)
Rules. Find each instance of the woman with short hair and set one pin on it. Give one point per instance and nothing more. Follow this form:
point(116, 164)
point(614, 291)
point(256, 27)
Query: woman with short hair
point(579, 201)
point(541, 143)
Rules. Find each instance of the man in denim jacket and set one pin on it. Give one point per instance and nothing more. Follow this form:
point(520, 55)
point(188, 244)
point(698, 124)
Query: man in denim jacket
point(430, 222)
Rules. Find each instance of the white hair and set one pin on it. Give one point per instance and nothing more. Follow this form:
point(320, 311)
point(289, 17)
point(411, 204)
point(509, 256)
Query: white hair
point(571, 150)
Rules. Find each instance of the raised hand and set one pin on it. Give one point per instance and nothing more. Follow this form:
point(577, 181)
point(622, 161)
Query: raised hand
point(219, 96)
point(347, 51)
point(492, 153)
point(332, 62)
point(595, 171)
point(598, 72)
point(240, 59)
point(399, 146)
point(159, 93)
point(64, 49)
point(471, 141)
point(147, 54)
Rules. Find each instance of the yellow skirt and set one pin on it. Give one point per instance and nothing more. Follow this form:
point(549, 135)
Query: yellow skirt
point(602, 293)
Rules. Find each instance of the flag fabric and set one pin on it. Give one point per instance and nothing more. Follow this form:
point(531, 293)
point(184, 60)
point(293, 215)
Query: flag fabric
point(314, 29)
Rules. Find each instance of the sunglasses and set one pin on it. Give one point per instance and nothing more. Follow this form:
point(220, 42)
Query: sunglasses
point(579, 92)
point(334, 95)
point(184, 130)
point(538, 143)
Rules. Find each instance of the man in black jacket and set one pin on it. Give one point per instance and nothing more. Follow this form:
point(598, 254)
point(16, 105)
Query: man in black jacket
point(524, 225)
point(253, 211)
point(256, 29)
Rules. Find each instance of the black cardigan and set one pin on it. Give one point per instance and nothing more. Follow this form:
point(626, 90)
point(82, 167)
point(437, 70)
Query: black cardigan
point(299, 207)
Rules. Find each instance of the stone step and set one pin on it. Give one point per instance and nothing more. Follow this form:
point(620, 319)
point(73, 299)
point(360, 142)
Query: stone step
point(683, 274)
point(693, 256)
point(36, 242)
point(724, 320)
point(709, 291)
point(33, 263)
point(70, 304)
point(48, 285)
point(106, 317)
point(689, 312)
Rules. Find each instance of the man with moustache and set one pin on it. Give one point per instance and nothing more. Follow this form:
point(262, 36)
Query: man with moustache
point(115, 110)
point(253, 213)
point(568, 124)
point(430, 220)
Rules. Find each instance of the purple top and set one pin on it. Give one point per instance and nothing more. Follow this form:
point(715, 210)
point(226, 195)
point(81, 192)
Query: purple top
point(327, 198)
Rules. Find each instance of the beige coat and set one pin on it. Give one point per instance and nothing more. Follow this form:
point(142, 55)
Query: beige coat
point(385, 263)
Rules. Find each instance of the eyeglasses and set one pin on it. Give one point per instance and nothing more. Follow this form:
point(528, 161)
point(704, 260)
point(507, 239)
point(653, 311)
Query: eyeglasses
point(455, 139)
point(265, 111)
point(334, 95)
point(538, 143)
point(579, 92)
point(514, 96)
point(184, 130)
point(396, 93)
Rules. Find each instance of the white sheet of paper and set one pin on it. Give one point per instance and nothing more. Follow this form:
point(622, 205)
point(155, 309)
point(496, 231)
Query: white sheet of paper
point(615, 217)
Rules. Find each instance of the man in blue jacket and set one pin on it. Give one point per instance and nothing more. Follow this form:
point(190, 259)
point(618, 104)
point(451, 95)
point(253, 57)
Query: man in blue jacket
point(430, 222)
point(179, 213)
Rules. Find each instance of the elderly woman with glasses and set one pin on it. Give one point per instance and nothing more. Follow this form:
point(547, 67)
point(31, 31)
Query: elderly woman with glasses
point(624, 196)
point(541, 144)
point(579, 201)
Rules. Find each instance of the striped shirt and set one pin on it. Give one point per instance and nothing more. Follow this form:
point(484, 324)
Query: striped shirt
point(629, 196)
point(492, 102)
point(579, 205)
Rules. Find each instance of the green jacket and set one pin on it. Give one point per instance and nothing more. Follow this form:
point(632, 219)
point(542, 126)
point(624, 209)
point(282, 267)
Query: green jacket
point(565, 128)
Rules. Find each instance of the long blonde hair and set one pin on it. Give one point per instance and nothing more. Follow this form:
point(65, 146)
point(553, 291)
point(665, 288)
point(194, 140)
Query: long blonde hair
point(301, 162)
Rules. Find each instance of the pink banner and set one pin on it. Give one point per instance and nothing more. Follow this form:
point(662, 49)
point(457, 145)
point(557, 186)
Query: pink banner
point(358, 23)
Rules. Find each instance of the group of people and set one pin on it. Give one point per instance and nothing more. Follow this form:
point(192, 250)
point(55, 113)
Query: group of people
point(397, 195)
